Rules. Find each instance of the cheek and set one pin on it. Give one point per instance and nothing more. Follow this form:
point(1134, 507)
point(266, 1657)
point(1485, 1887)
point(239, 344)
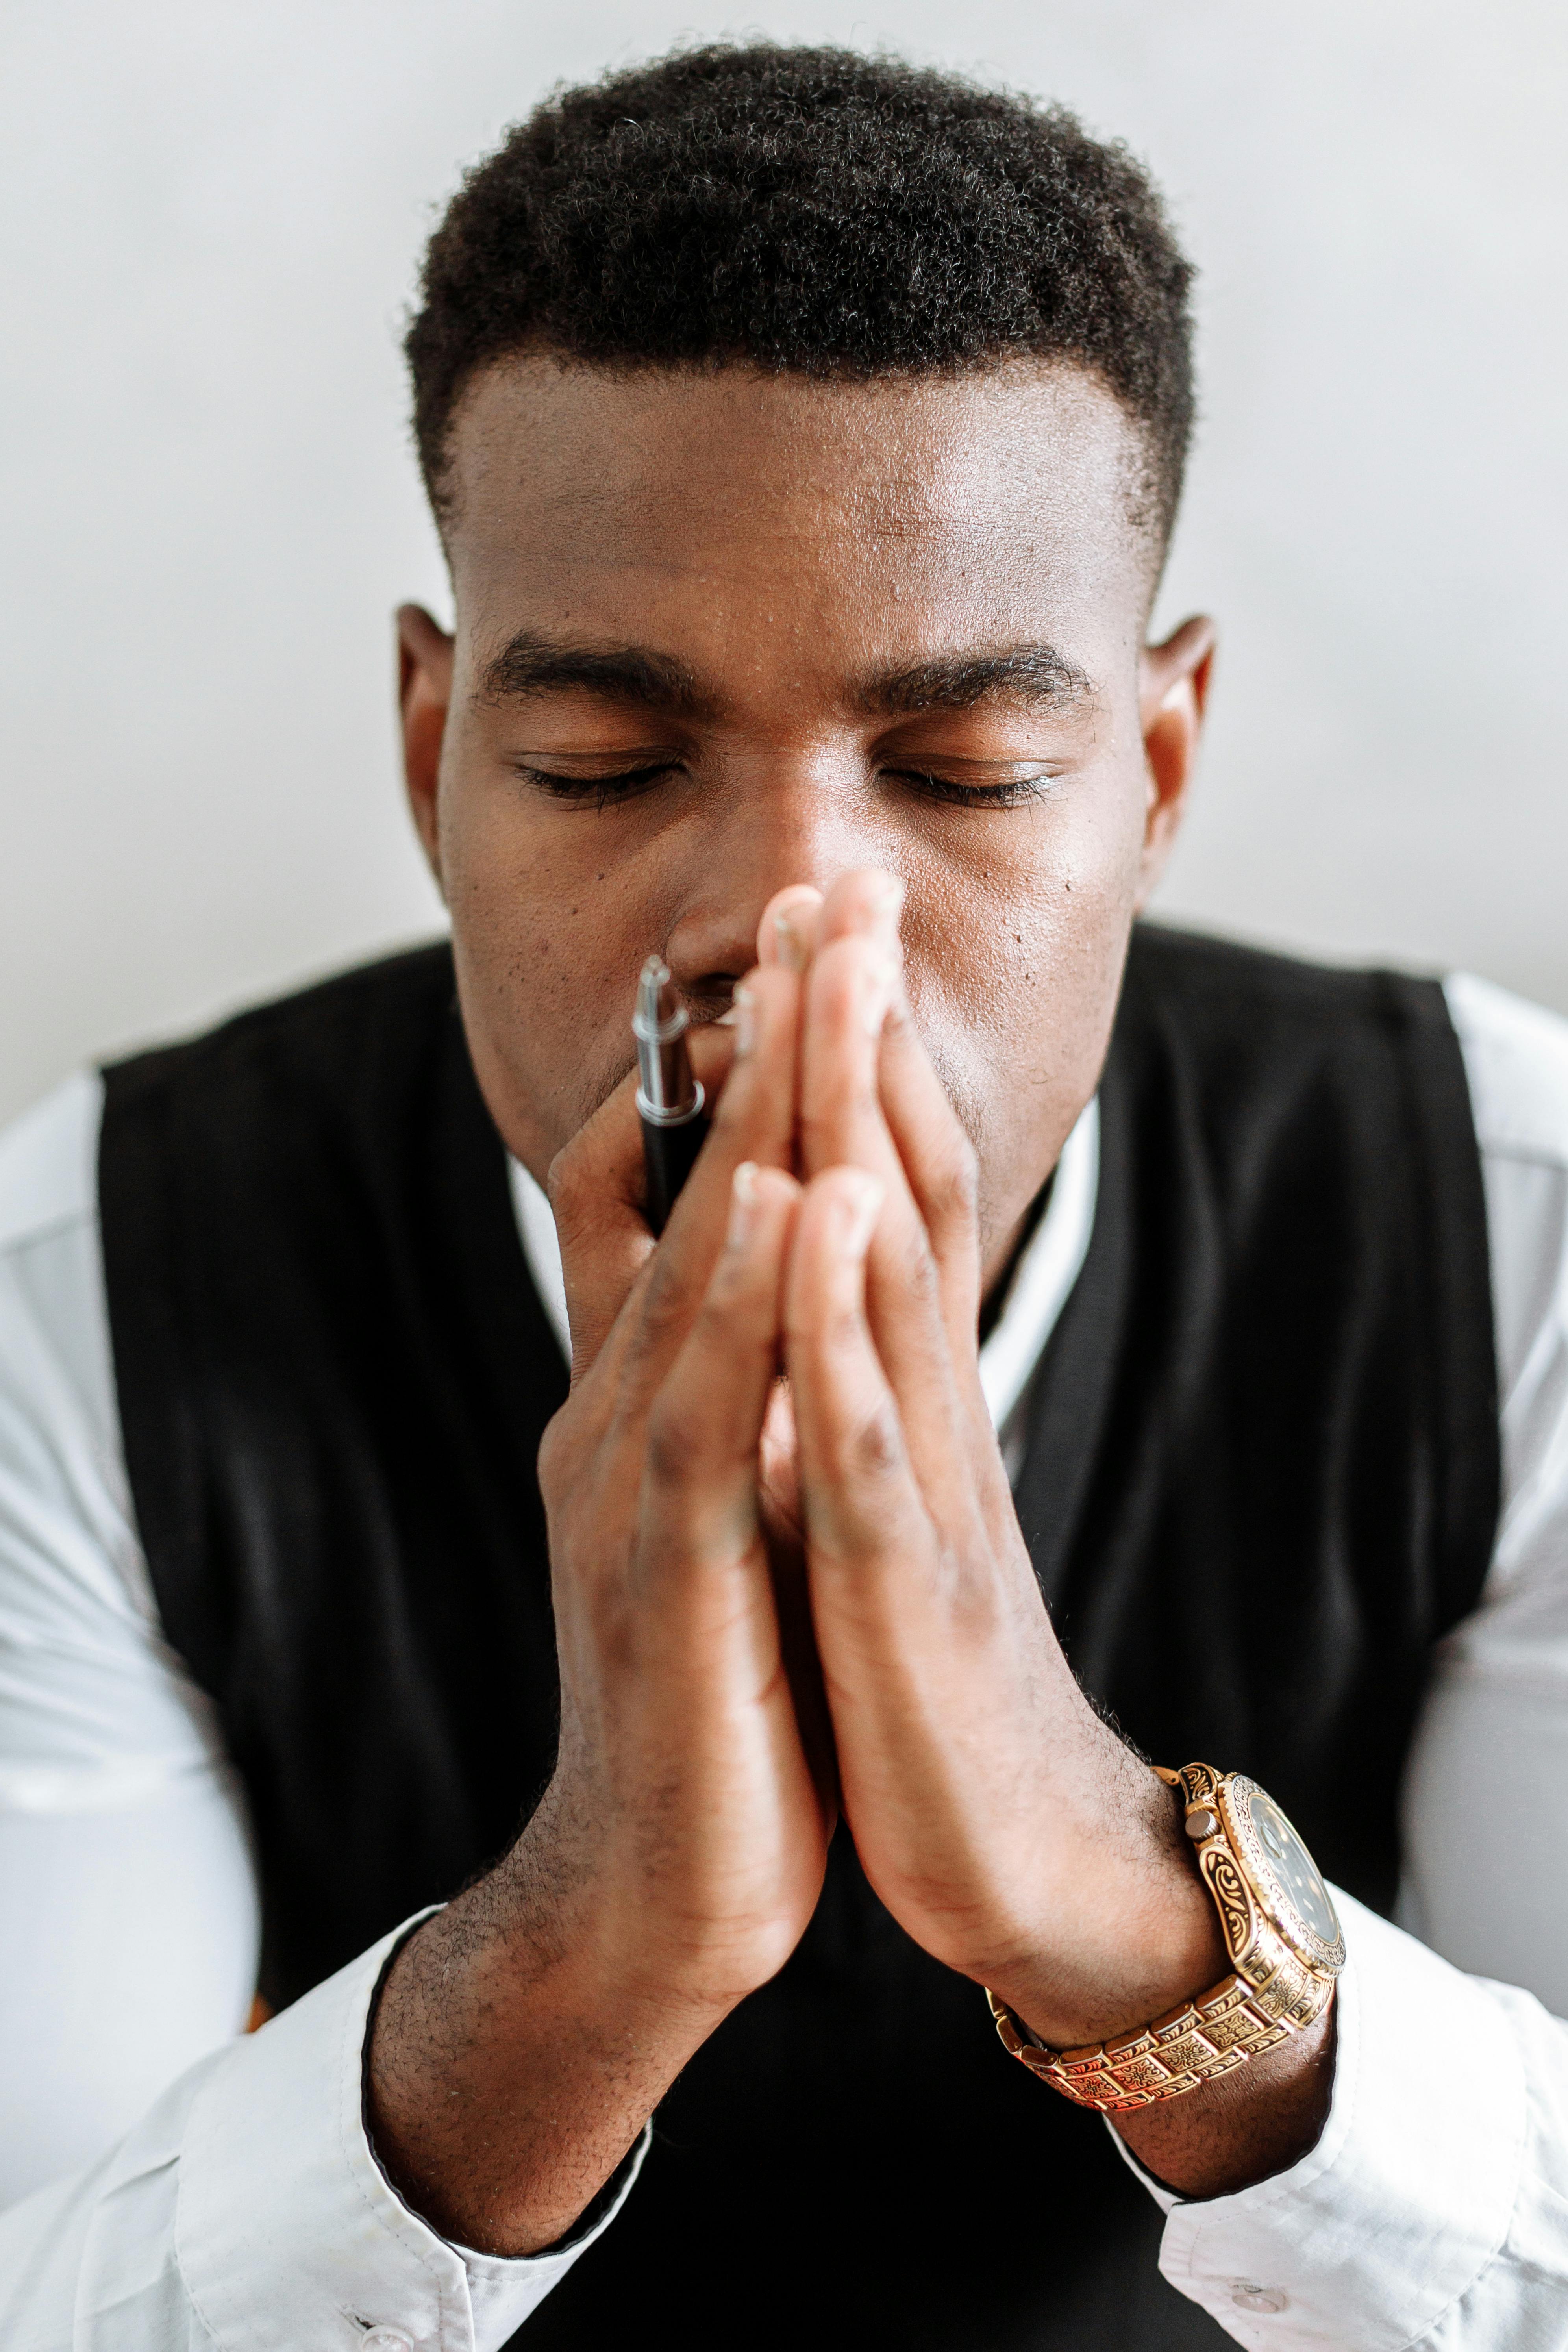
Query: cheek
point(1015, 963)
point(543, 965)
point(1014, 913)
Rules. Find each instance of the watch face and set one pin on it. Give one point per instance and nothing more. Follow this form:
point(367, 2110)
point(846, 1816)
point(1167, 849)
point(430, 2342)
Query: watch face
point(1295, 1875)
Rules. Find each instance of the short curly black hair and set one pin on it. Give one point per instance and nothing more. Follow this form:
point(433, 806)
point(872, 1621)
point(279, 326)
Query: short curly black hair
point(816, 211)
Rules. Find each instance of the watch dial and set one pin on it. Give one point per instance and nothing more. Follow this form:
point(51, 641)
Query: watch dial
point(1298, 1877)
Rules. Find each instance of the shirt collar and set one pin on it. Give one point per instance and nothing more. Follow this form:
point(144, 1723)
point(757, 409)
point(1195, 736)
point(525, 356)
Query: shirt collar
point(1042, 1278)
point(1051, 1263)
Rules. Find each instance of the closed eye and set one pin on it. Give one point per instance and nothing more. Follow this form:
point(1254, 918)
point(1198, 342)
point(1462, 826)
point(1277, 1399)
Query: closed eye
point(1008, 792)
point(598, 790)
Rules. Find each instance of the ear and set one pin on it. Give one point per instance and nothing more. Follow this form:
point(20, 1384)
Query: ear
point(1172, 686)
point(424, 691)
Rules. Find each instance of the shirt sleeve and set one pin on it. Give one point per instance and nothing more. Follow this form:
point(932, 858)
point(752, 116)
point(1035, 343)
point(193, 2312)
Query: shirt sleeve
point(128, 1909)
point(1434, 2211)
point(247, 2212)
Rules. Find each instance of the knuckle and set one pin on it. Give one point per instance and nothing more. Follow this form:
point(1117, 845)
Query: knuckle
point(569, 1463)
point(661, 1322)
point(957, 1187)
point(831, 1126)
point(904, 1276)
point(917, 1268)
point(675, 1432)
point(566, 1183)
point(843, 1334)
point(826, 1332)
point(722, 1330)
point(876, 1445)
point(557, 1452)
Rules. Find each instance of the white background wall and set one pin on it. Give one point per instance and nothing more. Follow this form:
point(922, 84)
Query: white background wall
point(213, 213)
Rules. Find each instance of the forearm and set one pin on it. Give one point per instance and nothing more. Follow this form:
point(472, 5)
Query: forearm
point(516, 2054)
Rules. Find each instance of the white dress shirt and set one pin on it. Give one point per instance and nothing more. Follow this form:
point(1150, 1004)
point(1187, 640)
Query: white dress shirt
point(184, 2186)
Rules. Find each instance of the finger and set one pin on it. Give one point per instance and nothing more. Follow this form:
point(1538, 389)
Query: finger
point(699, 1477)
point(842, 1124)
point(597, 1186)
point(753, 1121)
point(938, 1164)
point(787, 931)
point(617, 1282)
point(866, 902)
point(859, 1495)
point(854, 981)
point(847, 994)
point(937, 1156)
point(778, 1495)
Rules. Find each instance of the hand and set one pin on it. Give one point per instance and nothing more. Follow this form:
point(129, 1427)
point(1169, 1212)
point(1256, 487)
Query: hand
point(682, 1787)
point(1009, 1830)
point(986, 1797)
point(677, 1854)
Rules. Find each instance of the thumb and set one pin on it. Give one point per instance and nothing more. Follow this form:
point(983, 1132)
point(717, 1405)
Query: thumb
point(597, 1188)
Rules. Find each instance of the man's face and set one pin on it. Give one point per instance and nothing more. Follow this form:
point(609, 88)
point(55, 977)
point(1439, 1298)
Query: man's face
point(719, 633)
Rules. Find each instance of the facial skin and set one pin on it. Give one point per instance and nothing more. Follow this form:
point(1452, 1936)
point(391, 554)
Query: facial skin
point(825, 627)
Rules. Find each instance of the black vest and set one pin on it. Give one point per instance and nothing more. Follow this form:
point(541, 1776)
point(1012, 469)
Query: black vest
point(1261, 1483)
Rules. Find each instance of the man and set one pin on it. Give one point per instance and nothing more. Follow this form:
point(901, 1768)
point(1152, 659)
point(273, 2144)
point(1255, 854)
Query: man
point(806, 435)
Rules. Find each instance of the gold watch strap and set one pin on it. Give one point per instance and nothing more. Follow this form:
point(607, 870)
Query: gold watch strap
point(1271, 1994)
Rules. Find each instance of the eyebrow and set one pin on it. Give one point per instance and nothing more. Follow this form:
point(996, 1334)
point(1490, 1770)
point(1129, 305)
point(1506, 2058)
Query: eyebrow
point(531, 664)
point(958, 681)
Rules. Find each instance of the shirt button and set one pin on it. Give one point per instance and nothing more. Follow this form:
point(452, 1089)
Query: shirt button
point(386, 2339)
point(1248, 2295)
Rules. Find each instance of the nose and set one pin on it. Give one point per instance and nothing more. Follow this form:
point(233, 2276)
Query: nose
point(799, 827)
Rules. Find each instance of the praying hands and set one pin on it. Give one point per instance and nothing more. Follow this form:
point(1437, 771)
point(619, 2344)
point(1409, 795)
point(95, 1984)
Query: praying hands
point(789, 1584)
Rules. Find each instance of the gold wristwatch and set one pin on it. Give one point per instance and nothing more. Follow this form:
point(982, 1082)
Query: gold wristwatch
point(1285, 1949)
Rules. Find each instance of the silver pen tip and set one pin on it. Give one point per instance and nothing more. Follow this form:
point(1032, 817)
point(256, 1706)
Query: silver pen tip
point(660, 1010)
point(668, 1092)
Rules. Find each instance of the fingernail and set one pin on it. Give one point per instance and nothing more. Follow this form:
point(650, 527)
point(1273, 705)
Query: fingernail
point(794, 947)
point(742, 1205)
point(743, 1008)
point(859, 1204)
point(877, 975)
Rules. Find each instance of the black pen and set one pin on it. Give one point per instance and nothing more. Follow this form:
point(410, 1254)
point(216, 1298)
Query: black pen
point(669, 1098)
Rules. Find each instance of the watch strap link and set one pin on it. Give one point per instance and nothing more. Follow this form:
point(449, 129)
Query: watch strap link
point(1269, 1995)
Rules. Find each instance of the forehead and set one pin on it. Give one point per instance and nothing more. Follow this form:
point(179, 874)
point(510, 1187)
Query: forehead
point(991, 501)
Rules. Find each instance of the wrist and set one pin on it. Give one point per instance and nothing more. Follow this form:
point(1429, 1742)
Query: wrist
point(1143, 1935)
point(572, 1907)
point(1244, 2127)
point(1247, 2060)
point(511, 2064)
